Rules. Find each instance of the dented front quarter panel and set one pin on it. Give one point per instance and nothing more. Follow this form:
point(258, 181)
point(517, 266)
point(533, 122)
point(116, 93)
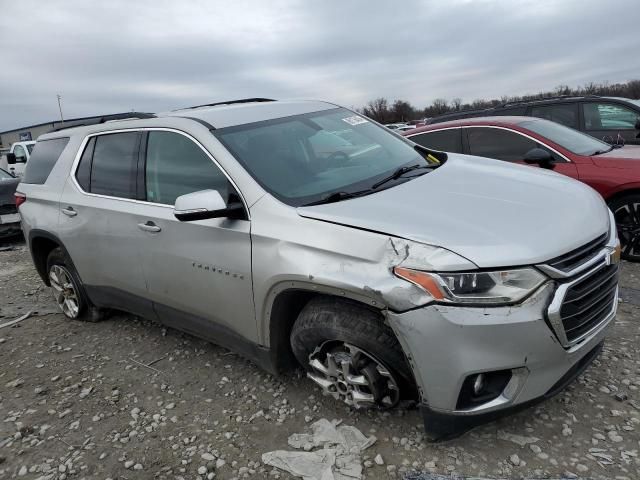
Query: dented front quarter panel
point(292, 252)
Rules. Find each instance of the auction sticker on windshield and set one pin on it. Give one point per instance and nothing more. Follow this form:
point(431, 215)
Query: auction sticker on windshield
point(355, 120)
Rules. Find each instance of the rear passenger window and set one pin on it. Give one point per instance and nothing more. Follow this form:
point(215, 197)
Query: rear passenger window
point(177, 166)
point(444, 140)
point(83, 174)
point(564, 114)
point(44, 157)
point(115, 163)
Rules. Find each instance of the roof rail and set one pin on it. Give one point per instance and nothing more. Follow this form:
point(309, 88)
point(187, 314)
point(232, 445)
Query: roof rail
point(230, 102)
point(106, 118)
point(544, 99)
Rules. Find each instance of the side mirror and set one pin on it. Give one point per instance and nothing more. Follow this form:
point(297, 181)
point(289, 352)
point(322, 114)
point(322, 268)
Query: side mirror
point(11, 158)
point(203, 205)
point(539, 156)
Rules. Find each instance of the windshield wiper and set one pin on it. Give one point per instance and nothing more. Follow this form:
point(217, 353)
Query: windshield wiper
point(600, 152)
point(397, 174)
point(336, 197)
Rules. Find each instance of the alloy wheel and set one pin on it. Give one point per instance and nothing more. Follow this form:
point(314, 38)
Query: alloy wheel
point(350, 374)
point(64, 291)
point(628, 222)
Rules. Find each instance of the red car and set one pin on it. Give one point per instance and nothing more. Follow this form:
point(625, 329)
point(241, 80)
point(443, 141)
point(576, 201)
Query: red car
point(613, 171)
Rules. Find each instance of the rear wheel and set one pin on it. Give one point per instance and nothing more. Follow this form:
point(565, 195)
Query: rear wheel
point(68, 290)
point(349, 352)
point(626, 210)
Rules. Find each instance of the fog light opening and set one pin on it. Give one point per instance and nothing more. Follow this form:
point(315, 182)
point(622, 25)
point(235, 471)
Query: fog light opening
point(480, 388)
point(478, 384)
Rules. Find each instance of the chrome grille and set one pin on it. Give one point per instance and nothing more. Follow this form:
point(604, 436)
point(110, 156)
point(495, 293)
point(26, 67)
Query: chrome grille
point(589, 301)
point(586, 296)
point(577, 257)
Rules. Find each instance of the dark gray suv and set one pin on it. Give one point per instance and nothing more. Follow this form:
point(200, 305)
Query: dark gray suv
point(614, 120)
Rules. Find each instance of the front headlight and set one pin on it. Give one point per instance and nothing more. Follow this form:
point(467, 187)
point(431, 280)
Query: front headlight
point(494, 288)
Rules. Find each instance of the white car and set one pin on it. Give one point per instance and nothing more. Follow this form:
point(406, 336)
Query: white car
point(17, 157)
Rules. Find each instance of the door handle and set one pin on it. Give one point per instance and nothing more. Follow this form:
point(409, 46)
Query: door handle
point(69, 212)
point(149, 226)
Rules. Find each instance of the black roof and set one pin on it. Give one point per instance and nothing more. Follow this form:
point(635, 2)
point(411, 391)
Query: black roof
point(520, 103)
point(76, 122)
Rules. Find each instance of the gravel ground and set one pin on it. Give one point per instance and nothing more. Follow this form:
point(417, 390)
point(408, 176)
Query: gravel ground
point(78, 401)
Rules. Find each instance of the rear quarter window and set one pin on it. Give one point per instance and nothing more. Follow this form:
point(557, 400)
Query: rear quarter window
point(45, 155)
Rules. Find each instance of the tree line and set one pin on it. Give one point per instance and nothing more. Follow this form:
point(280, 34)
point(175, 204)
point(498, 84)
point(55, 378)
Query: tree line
point(385, 111)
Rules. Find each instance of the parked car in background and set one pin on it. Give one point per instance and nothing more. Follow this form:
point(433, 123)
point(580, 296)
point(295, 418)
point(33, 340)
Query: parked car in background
point(387, 270)
point(17, 157)
point(394, 126)
point(9, 217)
point(613, 171)
point(613, 120)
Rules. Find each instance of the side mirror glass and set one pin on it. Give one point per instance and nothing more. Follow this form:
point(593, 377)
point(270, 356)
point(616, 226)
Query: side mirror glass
point(539, 156)
point(11, 158)
point(203, 205)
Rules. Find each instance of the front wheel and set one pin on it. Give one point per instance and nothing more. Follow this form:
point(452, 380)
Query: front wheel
point(349, 352)
point(626, 211)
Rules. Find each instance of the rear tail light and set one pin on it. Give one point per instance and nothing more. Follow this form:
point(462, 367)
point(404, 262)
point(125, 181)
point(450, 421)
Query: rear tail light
point(20, 198)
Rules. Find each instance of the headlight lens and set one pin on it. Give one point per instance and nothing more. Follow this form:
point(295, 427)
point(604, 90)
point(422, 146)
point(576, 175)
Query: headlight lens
point(495, 288)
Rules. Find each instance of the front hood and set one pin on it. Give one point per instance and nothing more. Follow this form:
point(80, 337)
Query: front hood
point(625, 157)
point(490, 212)
point(628, 151)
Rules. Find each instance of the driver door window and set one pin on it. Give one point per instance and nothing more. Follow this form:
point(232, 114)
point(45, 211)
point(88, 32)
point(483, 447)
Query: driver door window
point(177, 166)
point(611, 122)
point(498, 143)
point(607, 116)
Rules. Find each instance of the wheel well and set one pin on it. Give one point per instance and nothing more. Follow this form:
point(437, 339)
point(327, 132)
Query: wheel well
point(623, 193)
point(284, 312)
point(41, 247)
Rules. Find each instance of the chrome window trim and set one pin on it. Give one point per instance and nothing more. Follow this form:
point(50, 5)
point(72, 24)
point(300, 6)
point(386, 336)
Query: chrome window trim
point(499, 128)
point(83, 144)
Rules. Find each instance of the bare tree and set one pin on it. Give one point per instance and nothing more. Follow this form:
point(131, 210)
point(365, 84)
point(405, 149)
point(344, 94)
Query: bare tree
point(378, 110)
point(402, 111)
point(634, 89)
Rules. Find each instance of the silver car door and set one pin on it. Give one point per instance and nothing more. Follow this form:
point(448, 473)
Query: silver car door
point(198, 273)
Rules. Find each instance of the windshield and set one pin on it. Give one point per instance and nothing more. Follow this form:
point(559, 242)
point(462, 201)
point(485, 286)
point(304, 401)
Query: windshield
point(302, 159)
point(574, 141)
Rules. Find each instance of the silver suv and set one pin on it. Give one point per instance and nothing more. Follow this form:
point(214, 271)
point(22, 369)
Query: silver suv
point(300, 232)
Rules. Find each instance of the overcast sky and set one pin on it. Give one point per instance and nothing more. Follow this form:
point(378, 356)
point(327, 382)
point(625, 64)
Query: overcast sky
point(112, 56)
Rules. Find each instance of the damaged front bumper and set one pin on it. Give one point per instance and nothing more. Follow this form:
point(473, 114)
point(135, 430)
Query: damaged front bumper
point(449, 346)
